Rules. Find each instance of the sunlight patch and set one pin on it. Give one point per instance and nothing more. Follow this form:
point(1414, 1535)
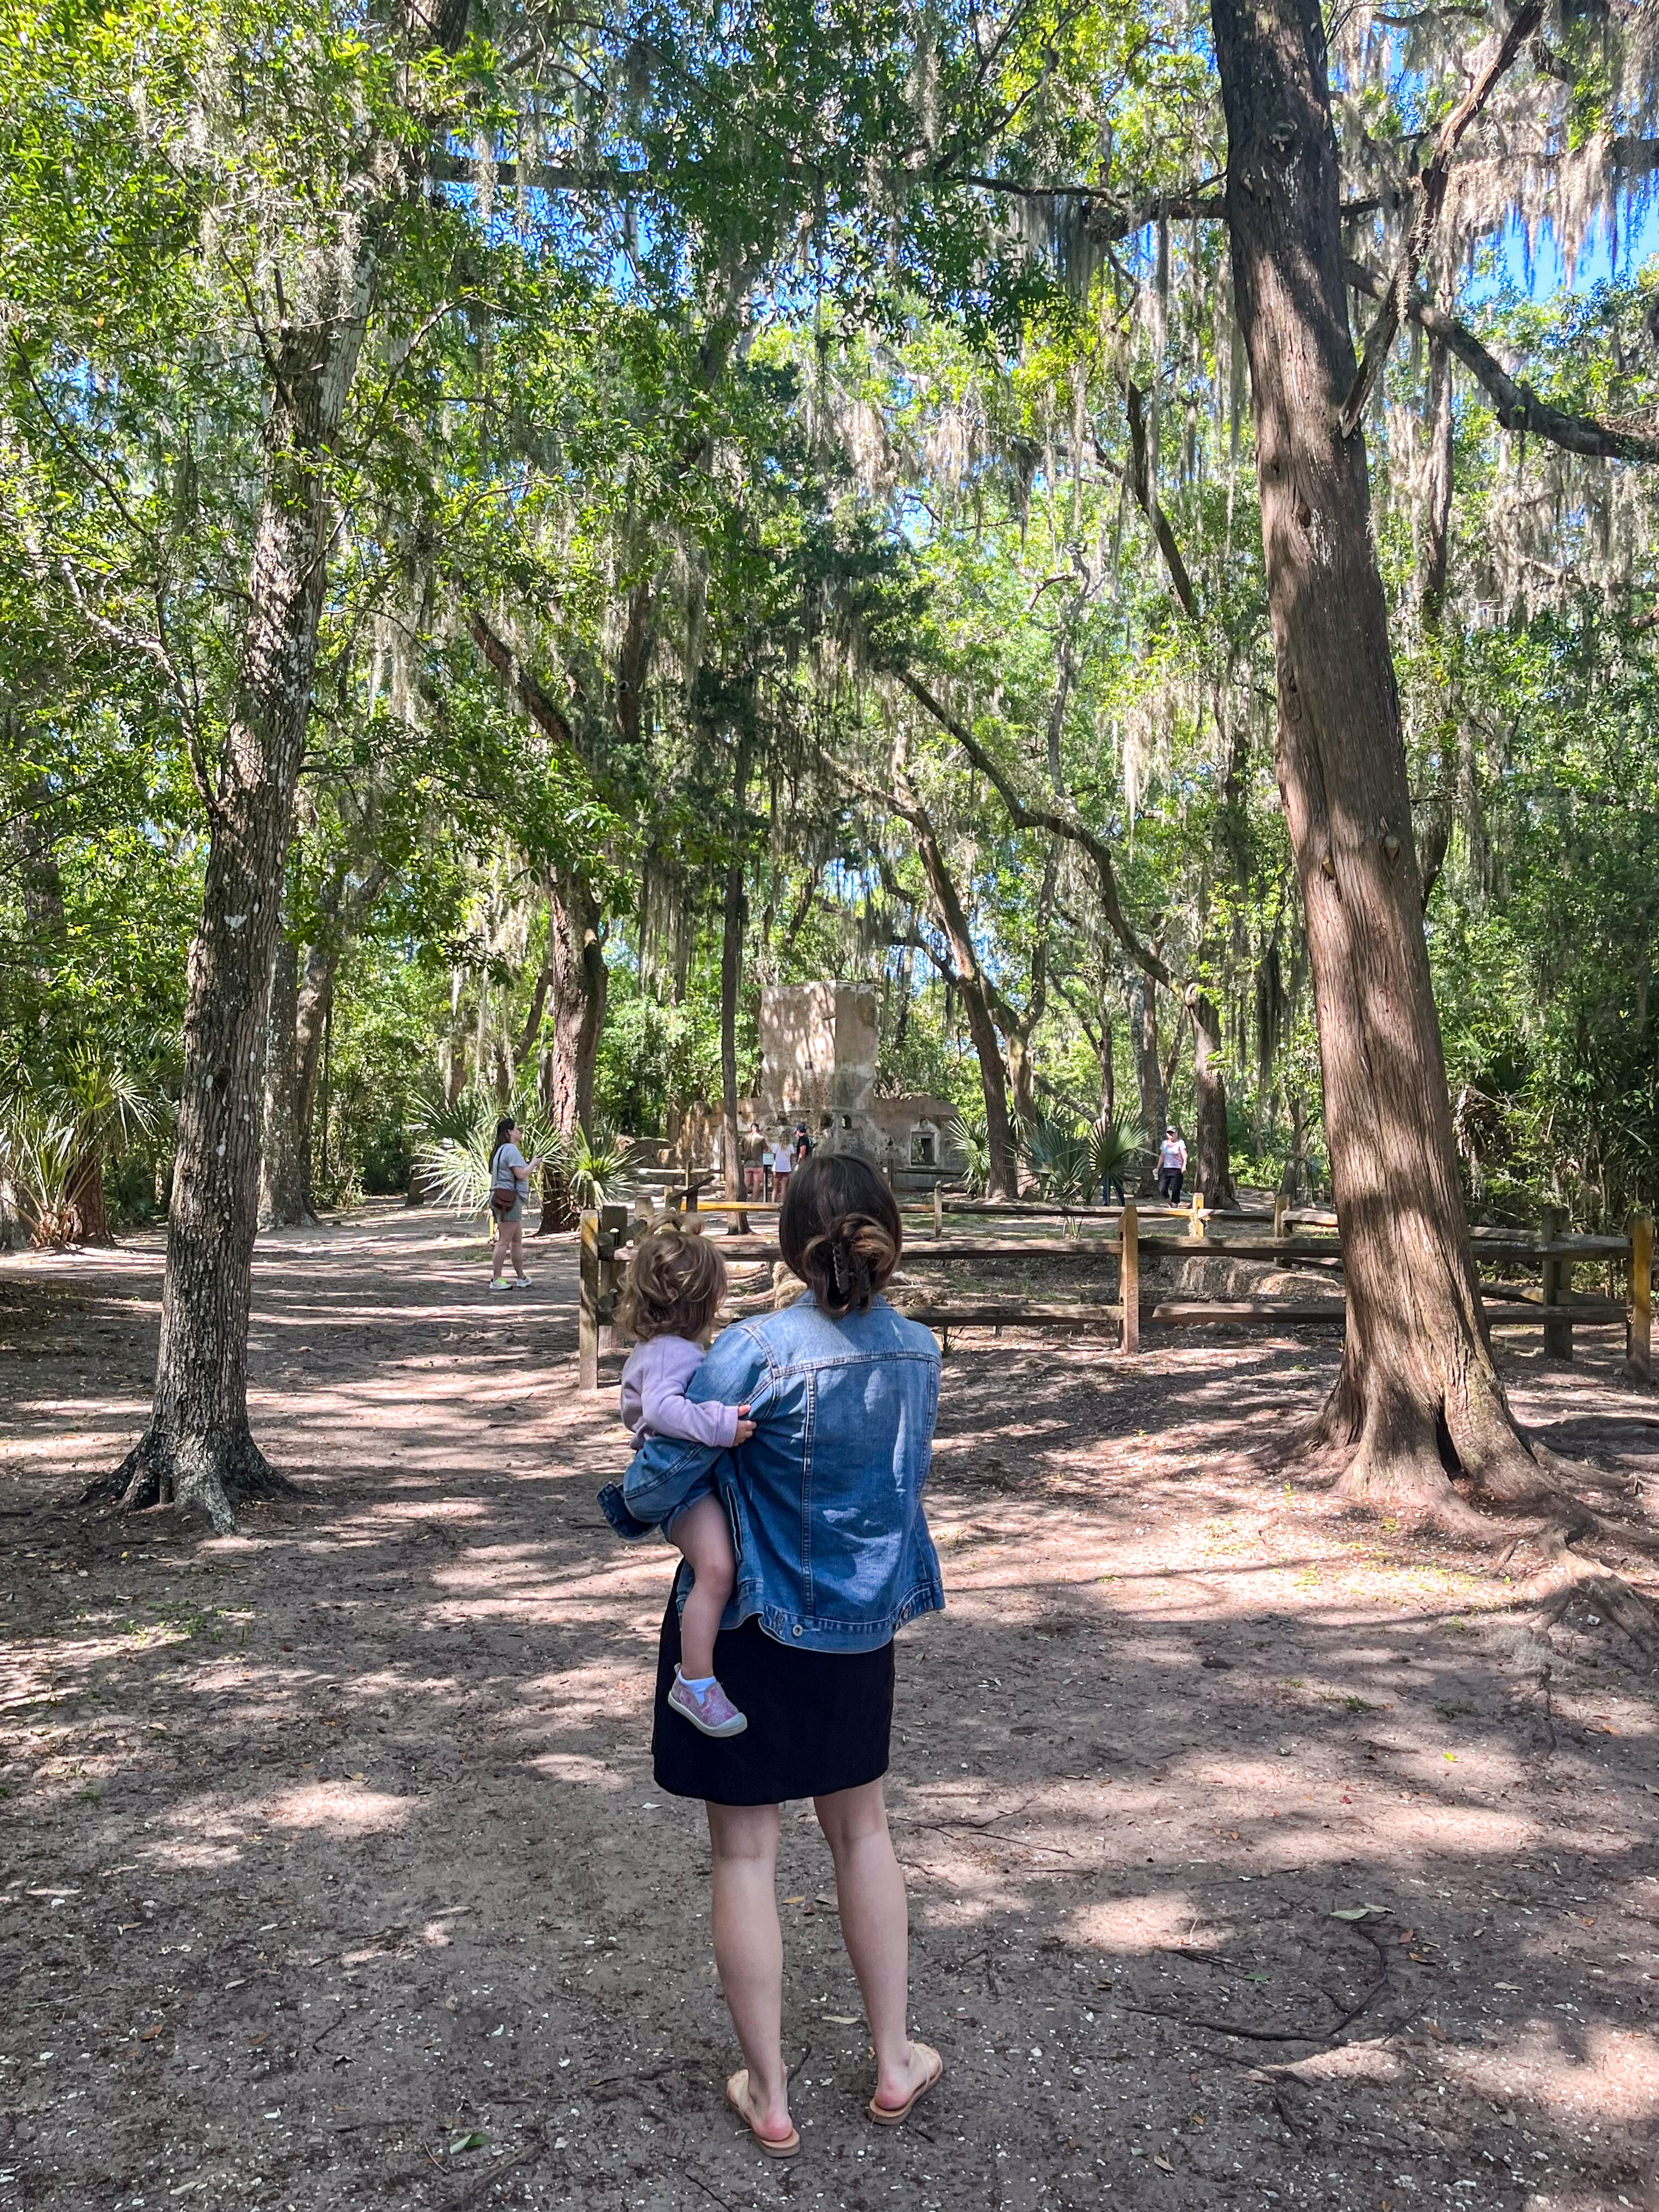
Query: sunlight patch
point(337, 1808)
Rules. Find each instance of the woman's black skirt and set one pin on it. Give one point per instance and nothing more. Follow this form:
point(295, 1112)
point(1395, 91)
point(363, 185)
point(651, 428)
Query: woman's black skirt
point(818, 1720)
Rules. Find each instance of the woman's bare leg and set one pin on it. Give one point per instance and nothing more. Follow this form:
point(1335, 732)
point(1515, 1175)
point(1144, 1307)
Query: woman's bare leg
point(703, 1535)
point(742, 1841)
point(515, 1237)
point(498, 1257)
point(875, 1926)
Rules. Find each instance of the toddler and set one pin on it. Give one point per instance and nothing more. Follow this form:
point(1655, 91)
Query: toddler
point(675, 1283)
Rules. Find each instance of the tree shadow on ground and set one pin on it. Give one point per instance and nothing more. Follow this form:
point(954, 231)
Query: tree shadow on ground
point(340, 1849)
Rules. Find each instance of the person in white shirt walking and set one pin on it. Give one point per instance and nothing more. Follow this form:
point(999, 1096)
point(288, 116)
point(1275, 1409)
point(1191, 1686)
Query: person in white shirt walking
point(1172, 1166)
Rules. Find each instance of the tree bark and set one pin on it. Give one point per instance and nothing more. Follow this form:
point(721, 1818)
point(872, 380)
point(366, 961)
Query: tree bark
point(1417, 1392)
point(579, 986)
point(314, 1003)
point(1149, 1078)
point(1436, 833)
point(198, 1449)
point(1001, 1179)
point(284, 1186)
point(88, 1219)
point(734, 915)
point(1211, 1162)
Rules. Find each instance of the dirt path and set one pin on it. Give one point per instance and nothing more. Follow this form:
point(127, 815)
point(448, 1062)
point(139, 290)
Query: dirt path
point(335, 1874)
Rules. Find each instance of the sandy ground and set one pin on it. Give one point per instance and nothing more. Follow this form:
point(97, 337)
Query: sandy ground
point(334, 1873)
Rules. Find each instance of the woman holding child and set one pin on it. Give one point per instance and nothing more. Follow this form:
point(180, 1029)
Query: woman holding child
point(806, 1436)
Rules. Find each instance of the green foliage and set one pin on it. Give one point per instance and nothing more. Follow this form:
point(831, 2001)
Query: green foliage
point(652, 499)
point(597, 1167)
point(968, 1138)
point(1113, 1149)
point(1057, 1153)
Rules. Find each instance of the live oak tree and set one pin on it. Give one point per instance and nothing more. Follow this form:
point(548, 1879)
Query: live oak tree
point(309, 272)
point(1418, 1397)
point(594, 407)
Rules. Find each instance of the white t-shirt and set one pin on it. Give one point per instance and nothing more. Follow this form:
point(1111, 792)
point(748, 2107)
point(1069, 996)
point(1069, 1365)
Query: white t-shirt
point(1172, 1154)
point(782, 1160)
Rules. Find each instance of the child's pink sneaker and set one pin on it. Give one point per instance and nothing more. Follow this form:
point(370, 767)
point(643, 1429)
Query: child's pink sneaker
point(713, 1714)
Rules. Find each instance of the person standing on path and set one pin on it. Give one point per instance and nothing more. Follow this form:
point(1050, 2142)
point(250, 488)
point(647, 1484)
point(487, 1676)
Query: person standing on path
point(509, 1186)
point(782, 1164)
point(833, 1558)
point(1172, 1166)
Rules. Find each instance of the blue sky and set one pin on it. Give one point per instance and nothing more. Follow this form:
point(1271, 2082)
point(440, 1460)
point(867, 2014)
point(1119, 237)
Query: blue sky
point(1595, 264)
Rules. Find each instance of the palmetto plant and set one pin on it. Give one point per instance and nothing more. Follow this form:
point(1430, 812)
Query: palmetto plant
point(1114, 1153)
point(56, 1135)
point(1057, 1153)
point(458, 1140)
point(37, 1162)
point(969, 1139)
point(598, 1168)
point(579, 1169)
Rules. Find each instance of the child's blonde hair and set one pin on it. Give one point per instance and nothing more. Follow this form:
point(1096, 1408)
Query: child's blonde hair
point(674, 1287)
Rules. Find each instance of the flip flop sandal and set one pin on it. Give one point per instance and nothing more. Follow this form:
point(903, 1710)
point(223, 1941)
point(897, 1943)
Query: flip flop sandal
point(770, 2145)
point(890, 2116)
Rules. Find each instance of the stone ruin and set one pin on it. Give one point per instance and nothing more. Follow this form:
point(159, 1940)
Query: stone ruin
point(819, 1044)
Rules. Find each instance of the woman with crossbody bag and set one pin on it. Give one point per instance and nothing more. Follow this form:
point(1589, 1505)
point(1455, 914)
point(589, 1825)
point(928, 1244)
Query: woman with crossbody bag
point(509, 1186)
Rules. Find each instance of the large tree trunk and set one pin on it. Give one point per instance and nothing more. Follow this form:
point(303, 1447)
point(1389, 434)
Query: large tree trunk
point(313, 1006)
point(284, 1182)
point(88, 1219)
point(579, 985)
point(1417, 1391)
point(198, 1449)
point(1001, 1179)
point(1212, 1173)
point(1149, 1078)
point(1436, 831)
point(735, 914)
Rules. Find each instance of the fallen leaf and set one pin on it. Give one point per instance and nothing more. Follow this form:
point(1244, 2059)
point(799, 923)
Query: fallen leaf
point(842, 2018)
point(1361, 1913)
point(150, 2033)
point(476, 2141)
point(1162, 2163)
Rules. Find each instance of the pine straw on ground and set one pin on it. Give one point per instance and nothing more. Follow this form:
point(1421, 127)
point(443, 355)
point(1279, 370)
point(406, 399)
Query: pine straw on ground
point(1262, 1854)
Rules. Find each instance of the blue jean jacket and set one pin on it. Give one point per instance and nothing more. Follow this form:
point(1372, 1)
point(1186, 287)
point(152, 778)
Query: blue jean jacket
point(832, 1546)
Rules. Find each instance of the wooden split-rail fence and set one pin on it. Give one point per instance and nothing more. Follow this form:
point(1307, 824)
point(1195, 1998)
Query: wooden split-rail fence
point(1302, 1237)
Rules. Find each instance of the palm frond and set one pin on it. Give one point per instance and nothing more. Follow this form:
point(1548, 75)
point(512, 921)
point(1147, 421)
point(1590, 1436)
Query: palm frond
point(970, 1140)
point(1114, 1151)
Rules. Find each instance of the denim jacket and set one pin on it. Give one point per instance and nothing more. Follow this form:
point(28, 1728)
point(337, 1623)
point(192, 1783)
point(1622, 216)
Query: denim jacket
point(832, 1546)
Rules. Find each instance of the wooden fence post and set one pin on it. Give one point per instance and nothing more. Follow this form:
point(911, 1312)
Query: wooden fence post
point(587, 1319)
point(1195, 1226)
point(938, 1209)
point(1128, 1276)
point(1557, 1334)
point(1638, 1361)
point(1281, 1208)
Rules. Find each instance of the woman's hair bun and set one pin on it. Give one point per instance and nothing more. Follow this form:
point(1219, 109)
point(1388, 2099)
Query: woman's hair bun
point(840, 1231)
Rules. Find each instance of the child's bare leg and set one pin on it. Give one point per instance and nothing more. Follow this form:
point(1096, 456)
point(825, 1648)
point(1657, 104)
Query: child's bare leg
point(703, 1535)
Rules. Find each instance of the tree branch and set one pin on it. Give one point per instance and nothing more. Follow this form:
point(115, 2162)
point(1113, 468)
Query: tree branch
point(1516, 405)
point(1062, 821)
point(1141, 484)
point(545, 712)
point(1430, 197)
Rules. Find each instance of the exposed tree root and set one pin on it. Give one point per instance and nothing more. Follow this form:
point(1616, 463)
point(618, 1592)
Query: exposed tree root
point(210, 1474)
point(1563, 1577)
point(1382, 1451)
